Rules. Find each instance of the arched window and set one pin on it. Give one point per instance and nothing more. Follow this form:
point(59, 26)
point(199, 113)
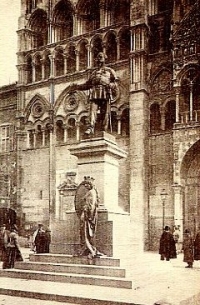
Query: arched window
point(63, 20)
point(124, 44)
point(170, 115)
point(83, 124)
point(154, 37)
point(71, 128)
point(71, 60)
point(125, 122)
point(59, 132)
point(114, 121)
point(47, 66)
point(97, 47)
point(59, 63)
point(47, 134)
point(39, 27)
point(155, 118)
point(38, 68)
point(118, 11)
point(31, 138)
point(111, 48)
point(83, 56)
point(89, 14)
point(39, 136)
point(29, 70)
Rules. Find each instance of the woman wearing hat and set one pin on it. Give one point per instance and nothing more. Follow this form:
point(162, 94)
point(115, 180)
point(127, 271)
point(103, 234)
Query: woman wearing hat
point(13, 250)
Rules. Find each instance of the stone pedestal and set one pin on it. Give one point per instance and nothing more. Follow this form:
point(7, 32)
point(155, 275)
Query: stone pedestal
point(97, 157)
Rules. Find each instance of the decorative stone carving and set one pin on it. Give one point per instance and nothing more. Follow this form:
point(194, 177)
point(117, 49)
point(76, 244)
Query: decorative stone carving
point(68, 185)
point(163, 82)
point(71, 102)
point(38, 109)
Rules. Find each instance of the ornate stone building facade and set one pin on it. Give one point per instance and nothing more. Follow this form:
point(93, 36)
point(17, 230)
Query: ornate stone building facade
point(154, 48)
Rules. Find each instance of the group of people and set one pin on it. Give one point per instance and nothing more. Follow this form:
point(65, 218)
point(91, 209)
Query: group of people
point(9, 246)
point(190, 246)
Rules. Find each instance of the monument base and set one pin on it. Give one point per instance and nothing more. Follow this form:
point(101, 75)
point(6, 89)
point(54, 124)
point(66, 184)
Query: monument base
point(111, 235)
point(97, 157)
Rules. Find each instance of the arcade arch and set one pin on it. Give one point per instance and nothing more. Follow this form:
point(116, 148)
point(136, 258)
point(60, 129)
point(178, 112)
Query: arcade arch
point(190, 181)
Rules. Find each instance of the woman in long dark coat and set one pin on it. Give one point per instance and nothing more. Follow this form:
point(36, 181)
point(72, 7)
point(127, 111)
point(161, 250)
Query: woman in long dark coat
point(13, 249)
point(188, 250)
point(167, 248)
point(197, 246)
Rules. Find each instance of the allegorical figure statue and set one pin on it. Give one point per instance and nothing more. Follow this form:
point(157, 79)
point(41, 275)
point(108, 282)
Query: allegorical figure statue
point(86, 204)
point(102, 86)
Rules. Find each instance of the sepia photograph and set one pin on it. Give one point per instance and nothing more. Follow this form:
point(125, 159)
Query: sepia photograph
point(99, 152)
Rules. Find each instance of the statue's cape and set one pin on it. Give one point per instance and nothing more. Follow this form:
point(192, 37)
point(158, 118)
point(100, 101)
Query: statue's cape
point(79, 200)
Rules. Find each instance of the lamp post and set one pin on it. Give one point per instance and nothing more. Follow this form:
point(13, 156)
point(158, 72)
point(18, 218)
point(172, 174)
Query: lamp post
point(163, 196)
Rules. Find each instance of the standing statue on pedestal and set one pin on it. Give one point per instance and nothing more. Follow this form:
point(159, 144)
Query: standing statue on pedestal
point(102, 86)
point(86, 204)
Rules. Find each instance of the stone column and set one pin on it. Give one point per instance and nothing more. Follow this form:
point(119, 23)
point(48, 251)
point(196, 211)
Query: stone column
point(89, 60)
point(162, 112)
point(119, 125)
point(77, 131)
point(65, 133)
point(77, 59)
point(43, 137)
point(28, 139)
point(138, 168)
point(177, 104)
point(65, 63)
point(191, 101)
point(178, 207)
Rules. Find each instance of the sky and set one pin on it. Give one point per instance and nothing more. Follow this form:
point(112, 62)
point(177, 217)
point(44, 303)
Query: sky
point(9, 14)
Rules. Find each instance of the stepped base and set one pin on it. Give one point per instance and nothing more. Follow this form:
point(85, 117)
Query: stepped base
point(62, 268)
point(72, 297)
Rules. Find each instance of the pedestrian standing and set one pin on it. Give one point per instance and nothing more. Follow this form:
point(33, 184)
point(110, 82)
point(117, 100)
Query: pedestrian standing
point(176, 235)
point(167, 249)
point(3, 243)
point(39, 239)
point(188, 250)
point(47, 240)
point(13, 252)
point(197, 246)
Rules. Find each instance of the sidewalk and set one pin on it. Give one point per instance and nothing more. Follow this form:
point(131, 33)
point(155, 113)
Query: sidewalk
point(153, 281)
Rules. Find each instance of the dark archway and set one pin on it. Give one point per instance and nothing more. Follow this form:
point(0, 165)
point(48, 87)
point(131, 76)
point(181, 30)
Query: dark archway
point(190, 177)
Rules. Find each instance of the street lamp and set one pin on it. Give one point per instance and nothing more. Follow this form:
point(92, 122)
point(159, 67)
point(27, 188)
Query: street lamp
point(163, 196)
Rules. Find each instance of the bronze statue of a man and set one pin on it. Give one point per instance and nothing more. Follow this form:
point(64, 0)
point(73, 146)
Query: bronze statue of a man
point(102, 85)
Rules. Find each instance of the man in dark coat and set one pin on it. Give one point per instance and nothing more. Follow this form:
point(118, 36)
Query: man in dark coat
point(197, 246)
point(167, 247)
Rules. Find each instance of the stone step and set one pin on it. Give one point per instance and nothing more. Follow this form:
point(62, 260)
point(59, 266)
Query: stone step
point(70, 259)
point(71, 268)
point(67, 278)
point(63, 293)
